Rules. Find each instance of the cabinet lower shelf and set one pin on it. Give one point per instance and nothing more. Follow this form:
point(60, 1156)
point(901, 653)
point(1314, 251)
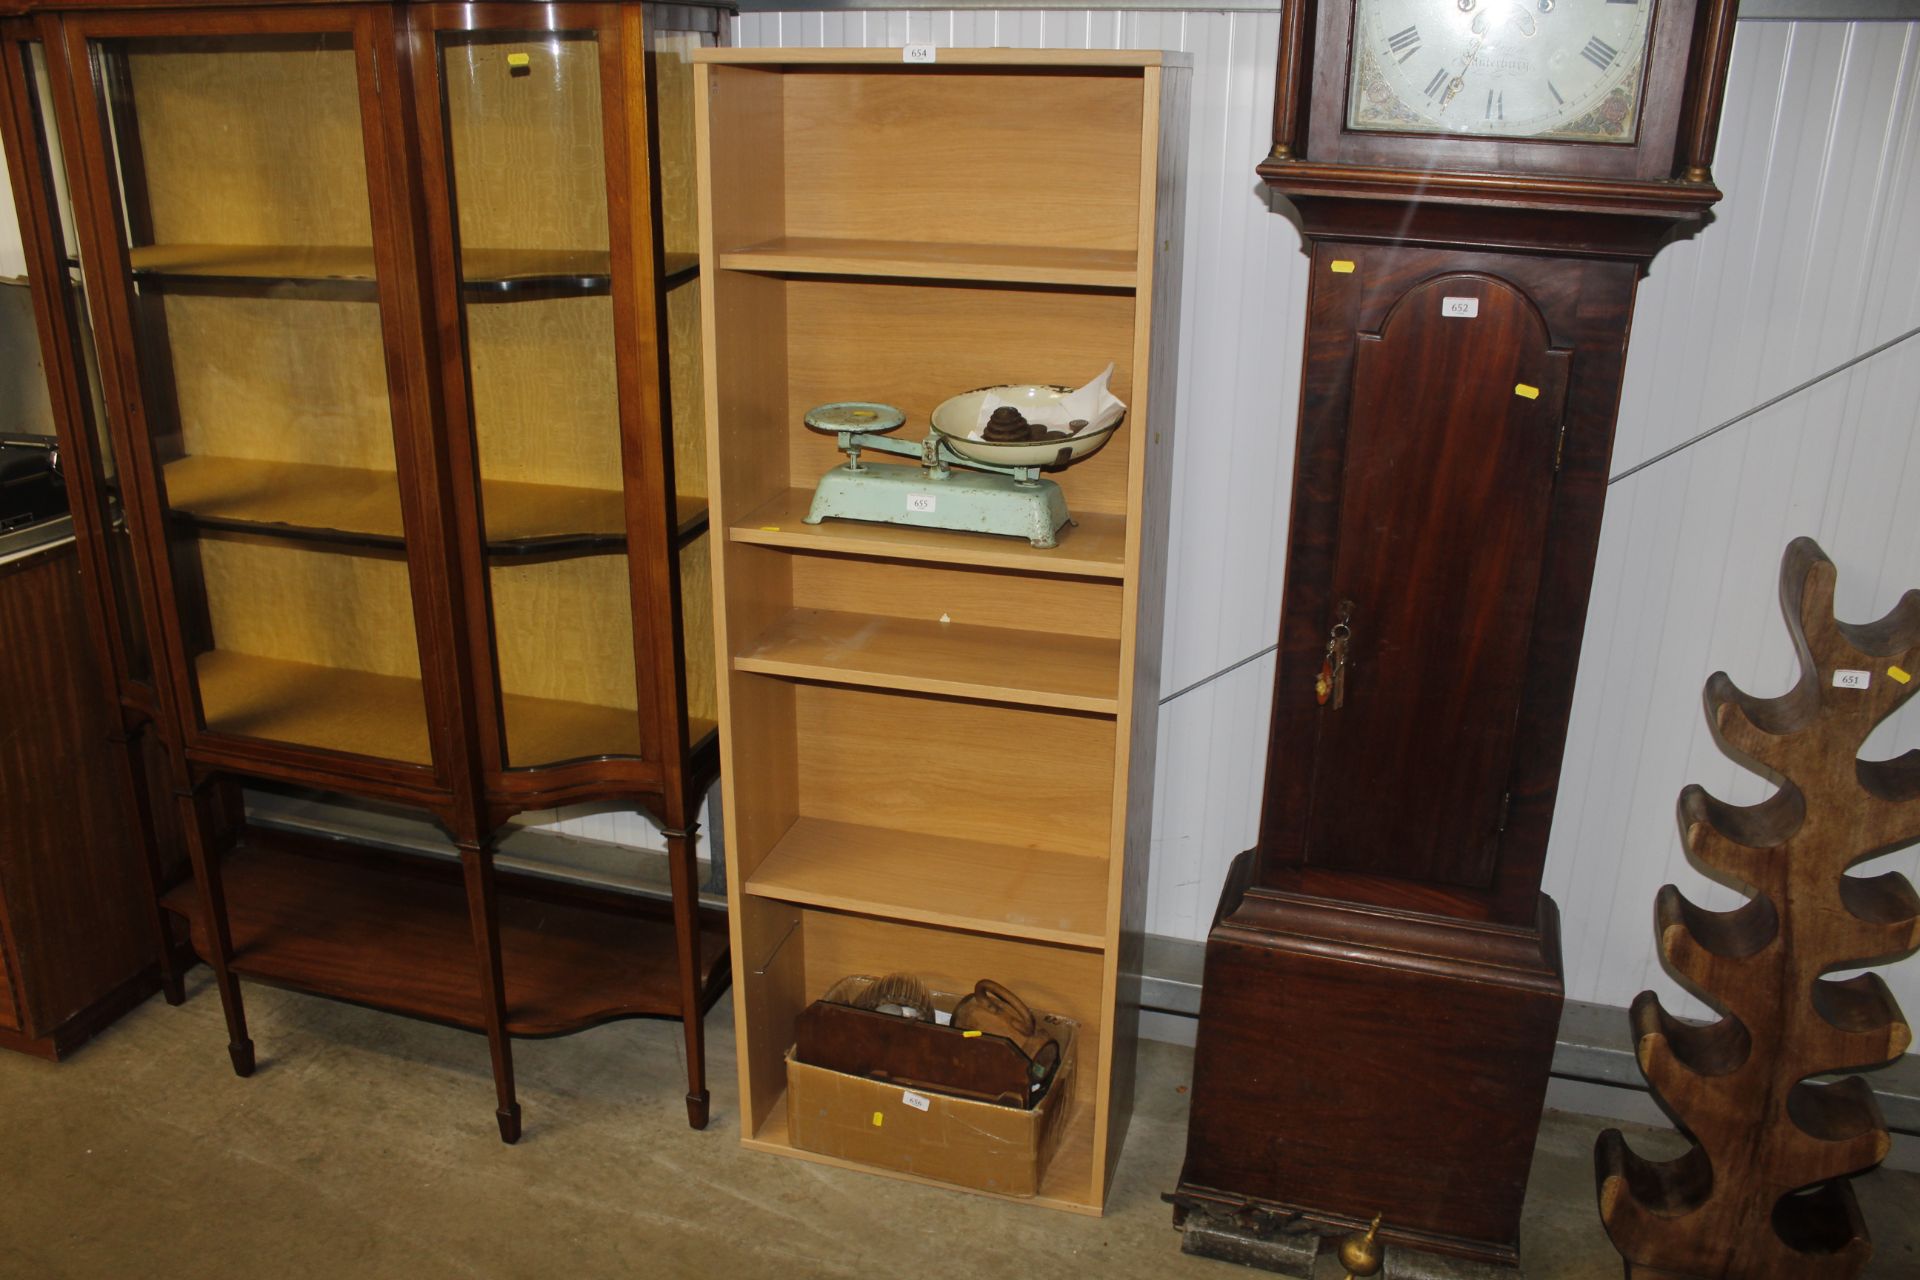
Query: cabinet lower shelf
point(391, 932)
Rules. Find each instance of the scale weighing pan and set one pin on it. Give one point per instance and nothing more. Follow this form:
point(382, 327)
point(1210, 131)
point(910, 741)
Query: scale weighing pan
point(959, 415)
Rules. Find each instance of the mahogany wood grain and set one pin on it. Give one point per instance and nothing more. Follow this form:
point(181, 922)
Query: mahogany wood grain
point(1661, 174)
point(1582, 305)
point(75, 924)
point(361, 223)
point(1414, 1052)
point(1438, 577)
point(392, 932)
point(1453, 471)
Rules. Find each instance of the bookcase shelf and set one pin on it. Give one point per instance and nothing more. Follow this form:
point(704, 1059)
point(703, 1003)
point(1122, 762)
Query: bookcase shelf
point(1074, 673)
point(1093, 546)
point(961, 884)
point(920, 260)
point(936, 746)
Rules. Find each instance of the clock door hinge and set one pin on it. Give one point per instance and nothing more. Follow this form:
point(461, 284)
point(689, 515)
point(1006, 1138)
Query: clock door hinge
point(1559, 448)
point(1500, 824)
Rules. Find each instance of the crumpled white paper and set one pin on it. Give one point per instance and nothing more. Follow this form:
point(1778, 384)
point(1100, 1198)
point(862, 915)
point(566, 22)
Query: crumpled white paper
point(1098, 407)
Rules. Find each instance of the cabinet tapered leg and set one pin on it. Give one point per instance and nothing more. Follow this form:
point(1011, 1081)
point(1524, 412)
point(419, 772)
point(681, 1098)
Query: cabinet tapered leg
point(483, 912)
point(196, 820)
point(686, 928)
point(131, 763)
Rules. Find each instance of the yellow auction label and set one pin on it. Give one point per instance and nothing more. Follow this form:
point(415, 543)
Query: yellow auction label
point(1529, 392)
point(1341, 267)
point(1900, 673)
point(878, 1119)
point(519, 59)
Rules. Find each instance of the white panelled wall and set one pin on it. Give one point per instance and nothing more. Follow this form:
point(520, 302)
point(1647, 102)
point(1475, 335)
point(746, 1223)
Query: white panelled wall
point(1812, 258)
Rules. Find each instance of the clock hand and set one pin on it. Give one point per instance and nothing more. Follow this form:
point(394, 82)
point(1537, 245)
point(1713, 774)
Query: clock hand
point(1459, 82)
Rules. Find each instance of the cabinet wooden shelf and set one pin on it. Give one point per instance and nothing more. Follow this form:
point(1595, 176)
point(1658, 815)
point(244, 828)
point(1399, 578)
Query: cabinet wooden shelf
point(505, 273)
point(391, 932)
point(346, 504)
point(401, 443)
point(1074, 673)
point(1094, 546)
point(381, 716)
point(937, 746)
point(910, 259)
point(960, 884)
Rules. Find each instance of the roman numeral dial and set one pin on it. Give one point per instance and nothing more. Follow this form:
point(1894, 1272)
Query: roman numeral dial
point(1559, 69)
point(1600, 53)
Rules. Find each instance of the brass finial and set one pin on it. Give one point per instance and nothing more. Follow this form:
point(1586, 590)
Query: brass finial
point(1360, 1254)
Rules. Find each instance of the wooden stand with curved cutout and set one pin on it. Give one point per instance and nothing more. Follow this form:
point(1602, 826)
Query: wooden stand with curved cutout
point(1762, 1195)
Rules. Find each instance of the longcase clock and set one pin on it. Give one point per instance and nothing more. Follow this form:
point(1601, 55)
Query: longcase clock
point(1481, 184)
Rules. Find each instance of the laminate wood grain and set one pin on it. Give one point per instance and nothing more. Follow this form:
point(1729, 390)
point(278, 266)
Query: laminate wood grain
point(919, 260)
point(1065, 1184)
point(1036, 607)
point(891, 137)
point(1074, 673)
point(1002, 774)
point(392, 932)
point(915, 344)
point(922, 725)
point(1093, 546)
point(963, 884)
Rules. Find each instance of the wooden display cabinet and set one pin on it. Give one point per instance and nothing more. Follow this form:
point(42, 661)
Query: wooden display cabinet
point(394, 302)
point(938, 746)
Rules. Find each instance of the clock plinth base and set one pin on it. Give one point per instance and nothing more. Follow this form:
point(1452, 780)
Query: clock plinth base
point(1247, 1240)
point(1354, 1061)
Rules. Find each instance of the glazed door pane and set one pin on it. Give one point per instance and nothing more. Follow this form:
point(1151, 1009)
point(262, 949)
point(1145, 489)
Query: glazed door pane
point(670, 81)
point(524, 117)
point(240, 165)
point(133, 660)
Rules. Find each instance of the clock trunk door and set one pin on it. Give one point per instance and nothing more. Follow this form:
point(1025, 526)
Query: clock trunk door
point(1457, 406)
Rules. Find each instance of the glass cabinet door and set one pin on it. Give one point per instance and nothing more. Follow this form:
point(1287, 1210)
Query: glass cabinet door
point(542, 282)
point(254, 299)
point(97, 470)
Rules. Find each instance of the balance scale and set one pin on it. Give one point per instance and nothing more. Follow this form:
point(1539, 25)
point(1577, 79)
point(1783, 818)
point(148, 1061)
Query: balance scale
point(952, 488)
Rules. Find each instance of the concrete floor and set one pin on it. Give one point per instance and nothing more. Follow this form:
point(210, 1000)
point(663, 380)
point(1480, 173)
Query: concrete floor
point(365, 1146)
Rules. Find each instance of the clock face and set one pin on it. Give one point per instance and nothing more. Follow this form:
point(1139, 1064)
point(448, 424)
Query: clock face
point(1553, 69)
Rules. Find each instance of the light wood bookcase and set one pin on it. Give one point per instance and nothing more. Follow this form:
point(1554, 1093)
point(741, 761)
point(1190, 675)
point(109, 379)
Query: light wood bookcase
point(968, 798)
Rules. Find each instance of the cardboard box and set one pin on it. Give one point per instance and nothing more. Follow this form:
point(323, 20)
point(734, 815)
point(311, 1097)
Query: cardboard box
point(974, 1144)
